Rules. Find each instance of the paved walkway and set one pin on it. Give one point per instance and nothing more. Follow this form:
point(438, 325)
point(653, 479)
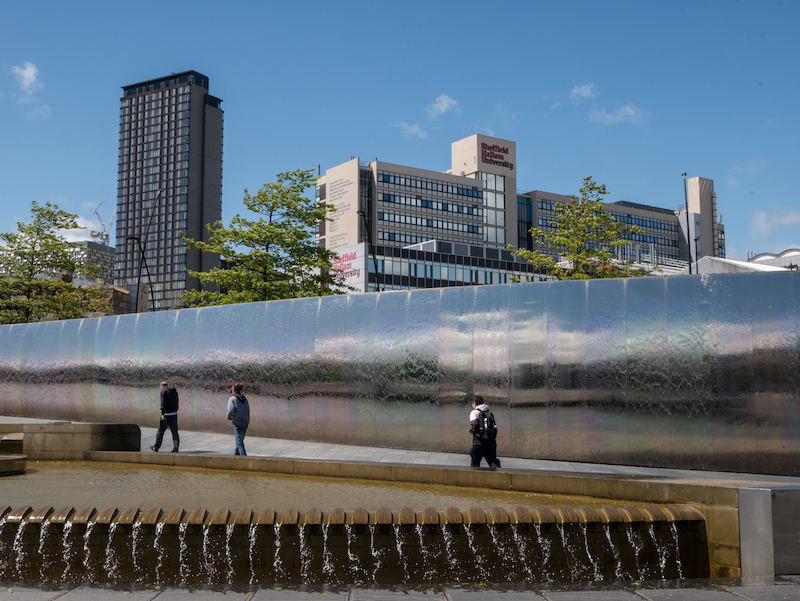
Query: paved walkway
point(783, 588)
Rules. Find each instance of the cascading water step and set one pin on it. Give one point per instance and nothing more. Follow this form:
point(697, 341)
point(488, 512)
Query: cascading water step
point(178, 547)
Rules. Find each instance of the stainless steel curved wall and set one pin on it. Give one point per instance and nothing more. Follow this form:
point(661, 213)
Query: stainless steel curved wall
point(698, 371)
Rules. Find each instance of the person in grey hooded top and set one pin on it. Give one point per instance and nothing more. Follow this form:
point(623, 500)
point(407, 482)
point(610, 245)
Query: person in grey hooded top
point(239, 414)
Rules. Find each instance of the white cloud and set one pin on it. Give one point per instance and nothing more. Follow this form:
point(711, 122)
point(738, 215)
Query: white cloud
point(29, 83)
point(740, 169)
point(78, 234)
point(442, 105)
point(410, 131)
point(762, 224)
point(28, 79)
point(578, 93)
point(625, 114)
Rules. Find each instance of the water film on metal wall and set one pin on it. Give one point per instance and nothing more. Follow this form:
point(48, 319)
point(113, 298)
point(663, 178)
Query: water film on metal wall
point(697, 371)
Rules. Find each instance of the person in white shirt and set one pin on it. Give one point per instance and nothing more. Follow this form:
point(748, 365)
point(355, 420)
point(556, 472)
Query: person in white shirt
point(484, 434)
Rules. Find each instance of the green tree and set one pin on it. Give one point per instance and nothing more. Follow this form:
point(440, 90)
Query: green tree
point(272, 257)
point(585, 235)
point(36, 283)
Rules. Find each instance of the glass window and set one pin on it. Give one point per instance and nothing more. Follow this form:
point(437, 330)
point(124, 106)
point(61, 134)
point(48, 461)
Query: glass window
point(490, 181)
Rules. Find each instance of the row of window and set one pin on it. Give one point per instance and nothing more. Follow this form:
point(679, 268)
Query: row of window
point(137, 120)
point(415, 221)
point(154, 157)
point(403, 268)
point(138, 106)
point(159, 95)
point(401, 237)
point(544, 224)
point(429, 203)
point(655, 224)
point(172, 128)
point(153, 142)
point(422, 183)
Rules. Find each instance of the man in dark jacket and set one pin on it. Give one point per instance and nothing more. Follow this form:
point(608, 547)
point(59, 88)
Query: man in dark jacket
point(169, 417)
point(484, 434)
point(239, 414)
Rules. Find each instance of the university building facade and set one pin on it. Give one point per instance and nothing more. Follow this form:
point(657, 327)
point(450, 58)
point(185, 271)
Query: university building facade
point(458, 223)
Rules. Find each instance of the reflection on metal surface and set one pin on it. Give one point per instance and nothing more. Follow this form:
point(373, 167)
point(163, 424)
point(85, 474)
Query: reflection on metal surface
point(691, 372)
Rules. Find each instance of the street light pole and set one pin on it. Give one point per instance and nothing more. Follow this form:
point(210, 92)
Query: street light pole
point(146, 238)
point(371, 249)
point(142, 261)
point(686, 200)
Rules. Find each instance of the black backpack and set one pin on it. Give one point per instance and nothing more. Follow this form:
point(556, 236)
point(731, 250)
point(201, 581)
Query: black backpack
point(487, 428)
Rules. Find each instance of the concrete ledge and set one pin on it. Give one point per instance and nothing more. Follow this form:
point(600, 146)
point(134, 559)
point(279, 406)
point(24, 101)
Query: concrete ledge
point(12, 464)
point(65, 440)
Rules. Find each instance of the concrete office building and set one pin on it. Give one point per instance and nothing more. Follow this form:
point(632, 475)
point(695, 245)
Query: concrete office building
point(468, 214)
point(97, 255)
point(170, 181)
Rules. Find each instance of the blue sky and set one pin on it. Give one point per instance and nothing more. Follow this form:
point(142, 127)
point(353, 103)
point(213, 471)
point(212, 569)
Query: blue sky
point(631, 93)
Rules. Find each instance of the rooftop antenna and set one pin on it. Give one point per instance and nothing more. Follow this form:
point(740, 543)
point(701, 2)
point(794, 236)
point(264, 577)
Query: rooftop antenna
point(101, 228)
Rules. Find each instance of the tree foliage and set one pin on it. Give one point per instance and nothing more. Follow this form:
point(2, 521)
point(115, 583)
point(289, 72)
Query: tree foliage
point(36, 284)
point(272, 257)
point(584, 235)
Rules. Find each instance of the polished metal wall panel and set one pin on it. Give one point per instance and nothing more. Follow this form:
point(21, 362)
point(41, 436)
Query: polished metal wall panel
point(775, 346)
point(104, 410)
point(690, 424)
point(178, 369)
point(646, 390)
point(606, 373)
point(566, 371)
point(391, 399)
point(732, 372)
point(422, 369)
point(301, 396)
point(66, 376)
point(46, 368)
point(85, 377)
point(697, 371)
point(331, 371)
point(527, 399)
point(456, 377)
point(362, 384)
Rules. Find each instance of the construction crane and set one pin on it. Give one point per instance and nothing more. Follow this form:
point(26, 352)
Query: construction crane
point(101, 228)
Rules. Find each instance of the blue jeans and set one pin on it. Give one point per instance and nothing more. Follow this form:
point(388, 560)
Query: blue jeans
point(171, 422)
point(238, 435)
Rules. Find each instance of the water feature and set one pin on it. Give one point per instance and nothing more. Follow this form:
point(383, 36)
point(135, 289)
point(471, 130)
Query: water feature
point(345, 547)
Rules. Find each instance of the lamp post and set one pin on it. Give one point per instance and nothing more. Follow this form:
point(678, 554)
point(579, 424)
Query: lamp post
point(686, 200)
point(371, 249)
point(142, 261)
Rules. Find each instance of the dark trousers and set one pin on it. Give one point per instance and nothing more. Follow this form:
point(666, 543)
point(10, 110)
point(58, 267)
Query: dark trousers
point(478, 452)
point(171, 422)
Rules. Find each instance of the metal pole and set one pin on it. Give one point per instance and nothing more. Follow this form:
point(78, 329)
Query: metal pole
point(688, 245)
point(371, 249)
point(146, 237)
point(142, 261)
